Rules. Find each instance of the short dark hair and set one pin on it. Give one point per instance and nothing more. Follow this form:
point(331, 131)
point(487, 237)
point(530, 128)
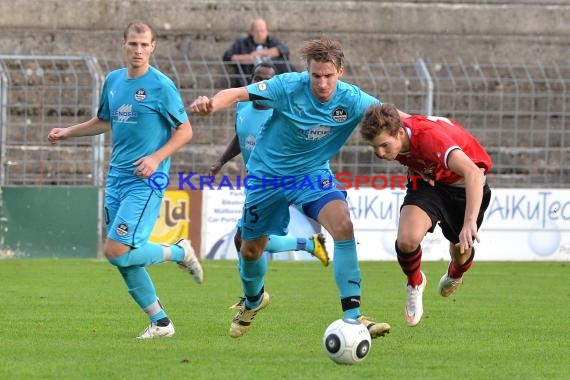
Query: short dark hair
point(262, 65)
point(139, 26)
point(379, 118)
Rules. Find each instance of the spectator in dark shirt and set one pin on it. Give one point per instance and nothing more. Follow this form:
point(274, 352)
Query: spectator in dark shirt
point(257, 47)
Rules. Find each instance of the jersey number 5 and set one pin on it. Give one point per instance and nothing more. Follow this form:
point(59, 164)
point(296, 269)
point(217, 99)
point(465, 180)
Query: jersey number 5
point(250, 215)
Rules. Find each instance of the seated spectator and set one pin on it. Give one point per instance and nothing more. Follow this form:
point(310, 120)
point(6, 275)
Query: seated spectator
point(257, 47)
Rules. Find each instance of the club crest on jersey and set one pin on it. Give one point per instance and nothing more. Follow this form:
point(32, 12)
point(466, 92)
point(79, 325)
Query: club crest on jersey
point(122, 229)
point(140, 94)
point(262, 86)
point(339, 115)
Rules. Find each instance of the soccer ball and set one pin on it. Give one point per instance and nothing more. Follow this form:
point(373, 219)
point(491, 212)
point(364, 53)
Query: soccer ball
point(347, 341)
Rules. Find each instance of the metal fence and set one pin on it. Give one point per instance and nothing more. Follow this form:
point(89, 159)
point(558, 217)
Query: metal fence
point(38, 93)
point(519, 112)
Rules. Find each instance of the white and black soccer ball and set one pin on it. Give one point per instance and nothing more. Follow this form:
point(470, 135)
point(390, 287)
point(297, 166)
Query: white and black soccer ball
point(347, 341)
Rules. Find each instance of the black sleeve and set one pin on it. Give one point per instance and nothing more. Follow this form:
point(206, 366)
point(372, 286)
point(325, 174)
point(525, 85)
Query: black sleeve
point(236, 48)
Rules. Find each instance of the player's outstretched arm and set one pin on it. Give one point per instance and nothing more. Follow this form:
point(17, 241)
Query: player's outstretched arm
point(223, 99)
point(91, 127)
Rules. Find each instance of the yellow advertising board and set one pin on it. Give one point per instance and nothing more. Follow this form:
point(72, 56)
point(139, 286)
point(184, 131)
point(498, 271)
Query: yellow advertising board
point(174, 220)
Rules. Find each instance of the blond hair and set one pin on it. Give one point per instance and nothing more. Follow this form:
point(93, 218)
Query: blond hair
point(323, 49)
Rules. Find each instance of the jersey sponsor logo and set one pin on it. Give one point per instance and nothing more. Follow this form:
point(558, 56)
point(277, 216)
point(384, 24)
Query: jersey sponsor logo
point(124, 113)
point(316, 133)
point(339, 115)
point(140, 94)
point(122, 229)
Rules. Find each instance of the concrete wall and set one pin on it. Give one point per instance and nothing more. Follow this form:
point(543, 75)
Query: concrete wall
point(515, 31)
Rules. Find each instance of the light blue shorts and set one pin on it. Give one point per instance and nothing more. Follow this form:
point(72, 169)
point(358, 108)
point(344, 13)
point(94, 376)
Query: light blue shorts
point(266, 207)
point(131, 208)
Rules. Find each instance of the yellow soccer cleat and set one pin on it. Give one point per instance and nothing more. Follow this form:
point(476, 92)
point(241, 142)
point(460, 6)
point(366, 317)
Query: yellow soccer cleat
point(319, 249)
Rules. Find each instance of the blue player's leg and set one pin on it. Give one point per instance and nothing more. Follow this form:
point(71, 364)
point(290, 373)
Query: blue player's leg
point(129, 224)
point(141, 289)
point(315, 245)
point(132, 225)
point(265, 213)
point(332, 212)
point(149, 254)
point(237, 243)
point(252, 273)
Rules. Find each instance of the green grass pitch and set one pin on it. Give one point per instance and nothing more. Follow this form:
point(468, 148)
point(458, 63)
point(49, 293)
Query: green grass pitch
point(73, 319)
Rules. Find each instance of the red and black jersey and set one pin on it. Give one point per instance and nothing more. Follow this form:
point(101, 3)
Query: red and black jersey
point(432, 139)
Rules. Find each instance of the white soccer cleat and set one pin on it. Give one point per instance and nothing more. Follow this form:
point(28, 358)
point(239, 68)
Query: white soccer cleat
point(191, 264)
point(154, 331)
point(414, 308)
point(447, 285)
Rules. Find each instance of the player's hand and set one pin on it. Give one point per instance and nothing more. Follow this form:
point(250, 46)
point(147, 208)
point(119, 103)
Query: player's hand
point(467, 237)
point(202, 105)
point(57, 134)
point(215, 169)
point(146, 166)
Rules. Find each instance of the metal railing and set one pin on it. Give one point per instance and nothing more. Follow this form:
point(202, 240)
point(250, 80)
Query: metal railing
point(39, 93)
point(519, 112)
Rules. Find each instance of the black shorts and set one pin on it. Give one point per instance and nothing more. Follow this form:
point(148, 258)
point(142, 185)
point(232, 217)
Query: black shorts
point(444, 204)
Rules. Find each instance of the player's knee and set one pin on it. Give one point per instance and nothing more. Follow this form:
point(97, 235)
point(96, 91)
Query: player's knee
point(407, 244)
point(115, 252)
point(119, 261)
point(250, 253)
point(342, 229)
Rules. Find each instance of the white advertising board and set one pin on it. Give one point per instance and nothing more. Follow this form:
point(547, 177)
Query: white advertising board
point(519, 225)
point(221, 212)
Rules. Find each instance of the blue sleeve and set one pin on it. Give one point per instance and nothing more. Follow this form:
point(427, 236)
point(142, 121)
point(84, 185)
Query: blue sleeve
point(173, 106)
point(366, 100)
point(268, 92)
point(103, 112)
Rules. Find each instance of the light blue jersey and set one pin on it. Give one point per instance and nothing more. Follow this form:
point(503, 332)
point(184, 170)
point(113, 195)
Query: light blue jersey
point(142, 112)
point(303, 134)
point(249, 121)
